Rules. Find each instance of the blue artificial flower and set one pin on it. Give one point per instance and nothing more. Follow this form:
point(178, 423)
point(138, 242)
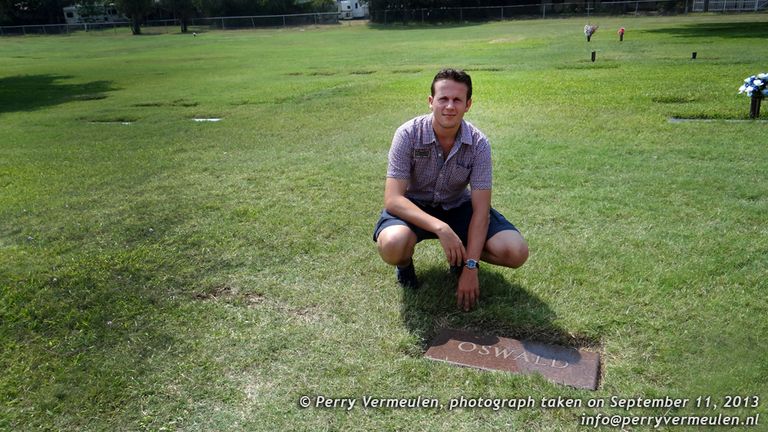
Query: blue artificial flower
point(755, 84)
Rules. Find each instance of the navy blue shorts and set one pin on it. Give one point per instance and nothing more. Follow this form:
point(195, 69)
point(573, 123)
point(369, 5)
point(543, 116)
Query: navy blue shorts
point(457, 218)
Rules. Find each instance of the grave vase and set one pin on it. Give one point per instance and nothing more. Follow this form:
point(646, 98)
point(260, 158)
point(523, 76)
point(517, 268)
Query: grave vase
point(754, 107)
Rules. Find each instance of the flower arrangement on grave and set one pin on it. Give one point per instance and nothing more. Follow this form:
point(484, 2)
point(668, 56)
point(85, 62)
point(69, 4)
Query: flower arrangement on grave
point(756, 87)
point(589, 30)
point(755, 84)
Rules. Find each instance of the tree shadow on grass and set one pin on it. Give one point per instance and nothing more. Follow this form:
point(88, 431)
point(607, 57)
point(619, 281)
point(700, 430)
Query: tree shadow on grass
point(505, 309)
point(32, 92)
point(418, 25)
point(85, 336)
point(727, 30)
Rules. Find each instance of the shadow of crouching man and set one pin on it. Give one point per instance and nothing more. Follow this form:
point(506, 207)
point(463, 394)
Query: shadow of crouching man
point(512, 331)
point(505, 309)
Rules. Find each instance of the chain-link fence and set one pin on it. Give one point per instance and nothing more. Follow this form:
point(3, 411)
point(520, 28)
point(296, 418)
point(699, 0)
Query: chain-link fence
point(170, 26)
point(407, 16)
point(728, 5)
point(265, 21)
point(574, 8)
point(536, 10)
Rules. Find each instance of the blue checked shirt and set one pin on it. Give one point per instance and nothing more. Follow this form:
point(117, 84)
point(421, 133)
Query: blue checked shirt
point(416, 156)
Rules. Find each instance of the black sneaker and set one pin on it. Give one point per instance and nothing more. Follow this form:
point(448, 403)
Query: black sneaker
point(406, 276)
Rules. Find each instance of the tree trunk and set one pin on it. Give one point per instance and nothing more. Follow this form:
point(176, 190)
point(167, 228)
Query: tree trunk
point(183, 25)
point(135, 26)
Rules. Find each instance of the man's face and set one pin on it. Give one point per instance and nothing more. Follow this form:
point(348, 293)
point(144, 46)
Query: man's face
point(449, 104)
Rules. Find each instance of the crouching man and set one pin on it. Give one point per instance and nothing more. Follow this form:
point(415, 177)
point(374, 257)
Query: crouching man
point(432, 160)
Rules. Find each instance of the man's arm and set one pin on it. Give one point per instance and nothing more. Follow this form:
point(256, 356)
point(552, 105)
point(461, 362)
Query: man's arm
point(469, 286)
point(396, 203)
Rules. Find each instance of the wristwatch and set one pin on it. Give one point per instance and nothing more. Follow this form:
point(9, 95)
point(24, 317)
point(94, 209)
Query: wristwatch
point(473, 264)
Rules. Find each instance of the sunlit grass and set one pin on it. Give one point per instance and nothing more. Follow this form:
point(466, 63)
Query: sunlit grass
point(203, 276)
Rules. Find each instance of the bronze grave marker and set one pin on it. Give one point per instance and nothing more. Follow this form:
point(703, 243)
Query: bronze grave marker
point(576, 368)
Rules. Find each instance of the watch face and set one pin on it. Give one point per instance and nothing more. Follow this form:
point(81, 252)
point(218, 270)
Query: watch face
point(471, 264)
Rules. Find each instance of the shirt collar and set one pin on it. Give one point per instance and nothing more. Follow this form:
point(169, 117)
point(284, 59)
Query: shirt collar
point(465, 136)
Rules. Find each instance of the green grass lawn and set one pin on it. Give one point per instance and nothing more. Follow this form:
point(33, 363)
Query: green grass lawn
point(159, 273)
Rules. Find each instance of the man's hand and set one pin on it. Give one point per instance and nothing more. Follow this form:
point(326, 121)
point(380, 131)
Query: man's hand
point(452, 245)
point(468, 291)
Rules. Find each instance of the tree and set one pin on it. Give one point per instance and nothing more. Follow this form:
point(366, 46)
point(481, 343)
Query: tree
point(320, 5)
point(135, 10)
point(5, 12)
point(183, 10)
point(261, 7)
point(20, 12)
point(89, 9)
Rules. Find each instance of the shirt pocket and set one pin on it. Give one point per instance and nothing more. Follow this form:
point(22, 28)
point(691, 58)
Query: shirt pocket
point(424, 170)
point(459, 177)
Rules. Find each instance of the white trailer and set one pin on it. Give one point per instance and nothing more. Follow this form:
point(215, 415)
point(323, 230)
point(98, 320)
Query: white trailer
point(78, 14)
point(352, 9)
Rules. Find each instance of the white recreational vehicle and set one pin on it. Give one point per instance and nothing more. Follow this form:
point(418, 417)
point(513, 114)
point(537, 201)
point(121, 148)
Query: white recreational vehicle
point(79, 14)
point(352, 9)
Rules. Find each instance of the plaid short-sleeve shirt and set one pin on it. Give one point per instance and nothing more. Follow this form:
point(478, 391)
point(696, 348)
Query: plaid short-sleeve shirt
point(433, 180)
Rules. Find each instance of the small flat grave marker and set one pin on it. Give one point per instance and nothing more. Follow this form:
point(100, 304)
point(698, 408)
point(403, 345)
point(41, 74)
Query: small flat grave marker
point(576, 368)
point(105, 122)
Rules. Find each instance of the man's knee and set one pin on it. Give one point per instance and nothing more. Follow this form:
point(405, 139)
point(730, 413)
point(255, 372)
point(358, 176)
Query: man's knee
point(508, 249)
point(395, 244)
point(517, 254)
